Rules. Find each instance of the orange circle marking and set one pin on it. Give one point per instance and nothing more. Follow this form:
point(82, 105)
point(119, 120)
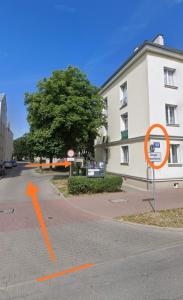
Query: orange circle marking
point(150, 163)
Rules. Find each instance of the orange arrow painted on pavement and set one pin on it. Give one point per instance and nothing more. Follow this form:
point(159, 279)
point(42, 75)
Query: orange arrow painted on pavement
point(31, 191)
point(65, 164)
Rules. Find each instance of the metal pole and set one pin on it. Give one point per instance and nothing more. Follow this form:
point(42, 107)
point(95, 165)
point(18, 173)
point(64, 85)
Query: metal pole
point(147, 177)
point(154, 191)
point(70, 169)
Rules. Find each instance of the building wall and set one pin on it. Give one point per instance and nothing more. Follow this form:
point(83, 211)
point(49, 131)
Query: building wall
point(138, 120)
point(147, 97)
point(8, 144)
point(159, 96)
point(137, 108)
point(6, 136)
point(137, 165)
point(3, 120)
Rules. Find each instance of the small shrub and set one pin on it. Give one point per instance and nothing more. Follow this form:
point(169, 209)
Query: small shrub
point(83, 171)
point(62, 169)
point(84, 185)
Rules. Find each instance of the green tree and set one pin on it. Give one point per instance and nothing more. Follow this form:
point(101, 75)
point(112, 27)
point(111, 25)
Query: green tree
point(21, 147)
point(65, 112)
point(44, 145)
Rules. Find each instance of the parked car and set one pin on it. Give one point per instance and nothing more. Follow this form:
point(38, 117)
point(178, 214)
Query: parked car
point(8, 164)
point(2, 169)
point(14, 163)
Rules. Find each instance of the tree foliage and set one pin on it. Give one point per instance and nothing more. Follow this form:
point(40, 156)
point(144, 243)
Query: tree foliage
point(21, 147)
point(65, 112)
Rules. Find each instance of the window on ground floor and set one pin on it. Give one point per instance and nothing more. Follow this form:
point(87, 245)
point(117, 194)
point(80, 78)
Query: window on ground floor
point(174, 157)
point(124, 155)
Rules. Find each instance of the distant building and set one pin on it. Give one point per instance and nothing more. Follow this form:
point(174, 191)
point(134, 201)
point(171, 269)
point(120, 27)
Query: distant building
point(6, 135)
point(146, 89)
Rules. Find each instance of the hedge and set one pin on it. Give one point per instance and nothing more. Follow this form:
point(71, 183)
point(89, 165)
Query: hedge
point(83, 185)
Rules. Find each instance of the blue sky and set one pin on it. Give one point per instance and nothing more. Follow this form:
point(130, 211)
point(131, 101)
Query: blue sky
point(39, 36)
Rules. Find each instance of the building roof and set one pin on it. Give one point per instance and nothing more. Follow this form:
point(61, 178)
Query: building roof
point(136, 51)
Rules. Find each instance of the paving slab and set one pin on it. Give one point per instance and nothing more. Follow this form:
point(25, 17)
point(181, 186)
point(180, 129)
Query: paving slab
point(127, 202)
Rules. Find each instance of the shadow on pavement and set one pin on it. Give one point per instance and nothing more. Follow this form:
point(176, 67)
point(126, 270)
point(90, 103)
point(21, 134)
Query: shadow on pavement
point(16, 171)
point(149, 200)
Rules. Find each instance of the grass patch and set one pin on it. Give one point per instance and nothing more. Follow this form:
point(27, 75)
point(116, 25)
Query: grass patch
point(163, 218)
point(61, 183)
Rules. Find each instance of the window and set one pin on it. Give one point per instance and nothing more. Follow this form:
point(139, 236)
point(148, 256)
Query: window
point(171, 114)
point(174, 154)
point(105, 104)
point(124, 122)
point(105, 109)
point(169, 75)
point(124, 126)
point(123, 94)
point(124, 155)
point(106, 155)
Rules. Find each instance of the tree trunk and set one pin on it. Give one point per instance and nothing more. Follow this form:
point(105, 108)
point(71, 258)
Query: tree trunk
point(51, 160)
point(40, 161)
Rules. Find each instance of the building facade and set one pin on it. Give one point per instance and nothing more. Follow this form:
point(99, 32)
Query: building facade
point(6, 135)
point(146, 89)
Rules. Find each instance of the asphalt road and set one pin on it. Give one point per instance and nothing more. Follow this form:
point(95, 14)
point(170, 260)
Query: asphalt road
point(130, 262)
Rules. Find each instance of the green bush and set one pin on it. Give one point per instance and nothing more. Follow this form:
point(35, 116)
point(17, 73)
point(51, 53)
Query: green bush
point(61, 168)
point(83, 185)
point(83, 171)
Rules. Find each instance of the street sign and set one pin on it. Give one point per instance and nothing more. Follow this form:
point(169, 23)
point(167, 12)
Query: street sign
point(70, 158)
point(155, 156)
point(156, 145)
point(70, 153)
point(152, 148)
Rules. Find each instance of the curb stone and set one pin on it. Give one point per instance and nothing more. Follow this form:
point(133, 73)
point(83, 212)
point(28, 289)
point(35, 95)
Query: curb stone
point(56, 189)
point(115, 219)
point(149, 226)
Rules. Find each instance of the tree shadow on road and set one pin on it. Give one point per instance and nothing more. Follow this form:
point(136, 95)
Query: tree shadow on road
point(17, 171)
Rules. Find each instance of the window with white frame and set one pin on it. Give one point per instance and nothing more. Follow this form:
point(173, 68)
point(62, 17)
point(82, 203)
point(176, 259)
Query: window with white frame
point(124, 122)
point(174, 156)
point(124, 155)
point(169, 75)
point(171, 114)
point(123, 94)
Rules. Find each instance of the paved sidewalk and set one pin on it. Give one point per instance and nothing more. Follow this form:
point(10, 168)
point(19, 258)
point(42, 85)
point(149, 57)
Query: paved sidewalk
point(128, 202)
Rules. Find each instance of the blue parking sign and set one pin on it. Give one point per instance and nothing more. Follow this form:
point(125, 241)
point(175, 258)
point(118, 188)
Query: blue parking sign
point(156, 145)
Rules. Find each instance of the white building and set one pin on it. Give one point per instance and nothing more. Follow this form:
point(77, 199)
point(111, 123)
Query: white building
point(6, 136)
point(146, 89)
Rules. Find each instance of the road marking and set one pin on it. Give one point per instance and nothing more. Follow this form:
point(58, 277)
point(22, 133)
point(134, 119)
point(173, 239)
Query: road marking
point(142, 253)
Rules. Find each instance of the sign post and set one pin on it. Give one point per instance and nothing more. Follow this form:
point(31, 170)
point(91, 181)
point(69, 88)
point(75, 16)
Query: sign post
point(70, 154)
point(156, 156)
point(154, 191)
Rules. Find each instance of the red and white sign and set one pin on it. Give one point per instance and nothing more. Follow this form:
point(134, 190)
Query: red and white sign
point(70, 153)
